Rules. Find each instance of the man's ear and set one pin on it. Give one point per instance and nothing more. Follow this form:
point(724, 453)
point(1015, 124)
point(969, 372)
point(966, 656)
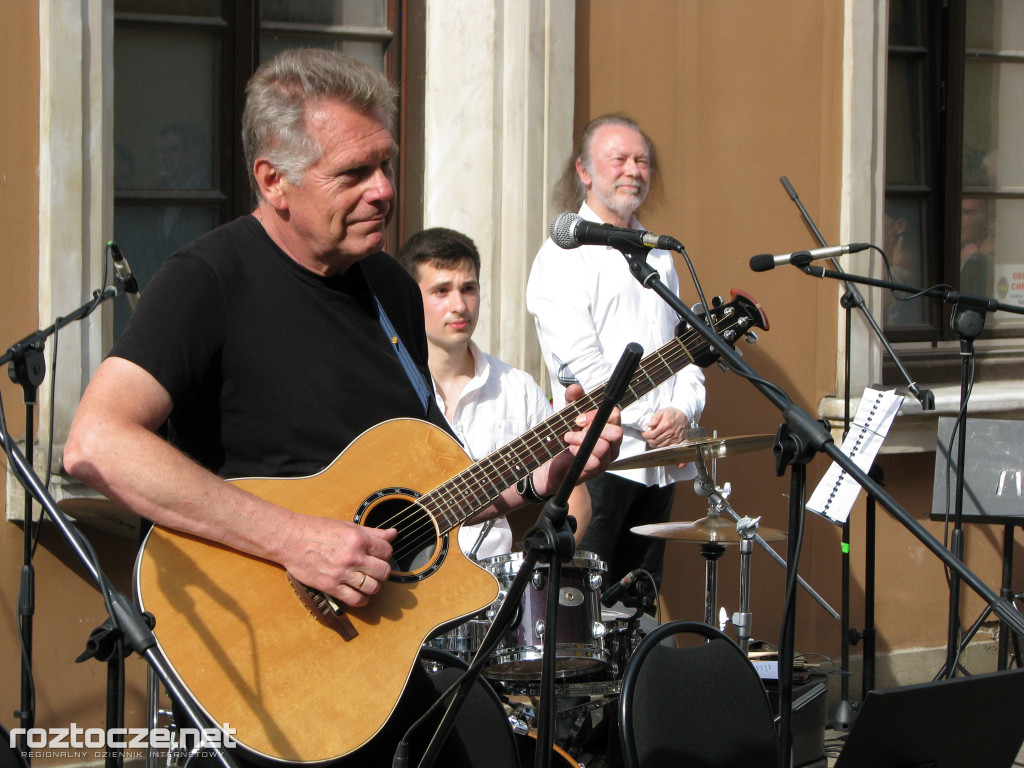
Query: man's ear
point(272, 183)
point(581, 171)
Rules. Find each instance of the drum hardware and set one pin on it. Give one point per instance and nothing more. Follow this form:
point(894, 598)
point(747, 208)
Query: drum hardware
point(713, 531)
point(527, 752)
point(480, 539)
point(742, 618)
point(717, 497)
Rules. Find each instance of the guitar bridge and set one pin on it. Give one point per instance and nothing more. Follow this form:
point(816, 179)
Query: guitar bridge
point(324, 608)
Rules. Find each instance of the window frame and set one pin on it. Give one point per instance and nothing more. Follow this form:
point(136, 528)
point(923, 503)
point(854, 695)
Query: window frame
point(932, 352)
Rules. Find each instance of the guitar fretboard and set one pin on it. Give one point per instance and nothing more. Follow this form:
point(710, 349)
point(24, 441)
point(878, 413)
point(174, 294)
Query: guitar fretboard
point(461, 497)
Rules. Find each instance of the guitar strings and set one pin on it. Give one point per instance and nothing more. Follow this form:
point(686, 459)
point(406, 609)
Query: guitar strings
point(416, 522)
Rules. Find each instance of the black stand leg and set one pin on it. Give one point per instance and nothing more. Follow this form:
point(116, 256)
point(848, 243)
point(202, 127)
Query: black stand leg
point(968, 324)
point(1007, 592)
point(869, 633)
point(27, 368)
point(798, 440)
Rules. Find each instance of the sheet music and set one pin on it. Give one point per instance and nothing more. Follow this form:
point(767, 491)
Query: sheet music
point(833, 498)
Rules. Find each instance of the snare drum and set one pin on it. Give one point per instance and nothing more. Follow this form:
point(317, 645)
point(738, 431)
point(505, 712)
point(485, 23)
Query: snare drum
point(579, 648)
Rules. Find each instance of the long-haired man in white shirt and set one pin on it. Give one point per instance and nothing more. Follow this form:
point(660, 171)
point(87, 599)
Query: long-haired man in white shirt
point(587, 308)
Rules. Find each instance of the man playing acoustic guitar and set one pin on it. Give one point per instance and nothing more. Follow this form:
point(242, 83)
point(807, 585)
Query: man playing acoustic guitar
point(262, 350)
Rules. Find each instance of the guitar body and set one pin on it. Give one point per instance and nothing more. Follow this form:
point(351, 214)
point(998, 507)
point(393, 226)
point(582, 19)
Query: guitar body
point(253, 656)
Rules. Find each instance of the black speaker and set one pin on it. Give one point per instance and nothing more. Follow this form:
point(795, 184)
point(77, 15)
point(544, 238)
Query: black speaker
point(807, 722)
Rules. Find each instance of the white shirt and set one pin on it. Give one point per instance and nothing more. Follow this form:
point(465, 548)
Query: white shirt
point(498, 404)
point(587, 307)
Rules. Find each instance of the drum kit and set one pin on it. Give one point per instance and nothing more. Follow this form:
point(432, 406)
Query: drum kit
point(593, 644)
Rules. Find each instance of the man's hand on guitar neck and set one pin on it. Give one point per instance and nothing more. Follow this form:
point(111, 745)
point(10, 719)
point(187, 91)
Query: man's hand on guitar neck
point(548, 478)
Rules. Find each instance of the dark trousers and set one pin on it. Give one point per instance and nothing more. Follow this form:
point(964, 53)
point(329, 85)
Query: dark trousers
point(619, 505)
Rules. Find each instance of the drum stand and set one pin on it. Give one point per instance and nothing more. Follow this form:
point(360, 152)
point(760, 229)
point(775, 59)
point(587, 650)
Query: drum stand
point(711, 551)
point(742, 618)
point(746, 529)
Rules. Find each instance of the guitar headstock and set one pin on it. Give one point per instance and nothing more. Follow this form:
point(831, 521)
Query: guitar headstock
point(733, 321)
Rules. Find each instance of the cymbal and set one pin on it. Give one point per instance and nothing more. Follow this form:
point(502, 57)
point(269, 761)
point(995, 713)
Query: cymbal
point(707, 530)
point(689, 450)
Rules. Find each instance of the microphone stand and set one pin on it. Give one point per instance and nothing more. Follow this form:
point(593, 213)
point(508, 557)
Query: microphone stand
point(124, 618)
point(800, 437)
point(851, 298)
point(967, 321)
point(550, 540)
point(26, 366)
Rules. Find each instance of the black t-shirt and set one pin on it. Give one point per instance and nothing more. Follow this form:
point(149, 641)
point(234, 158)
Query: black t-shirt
point(273, 369)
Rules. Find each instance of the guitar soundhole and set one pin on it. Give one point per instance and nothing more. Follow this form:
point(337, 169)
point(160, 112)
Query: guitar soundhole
point(419, 550)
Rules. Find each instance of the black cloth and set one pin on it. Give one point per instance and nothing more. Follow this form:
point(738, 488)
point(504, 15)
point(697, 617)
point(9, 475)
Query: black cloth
point(619, 505)
point(273, 369)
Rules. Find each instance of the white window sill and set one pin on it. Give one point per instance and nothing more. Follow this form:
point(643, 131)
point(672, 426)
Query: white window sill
point(914, 429)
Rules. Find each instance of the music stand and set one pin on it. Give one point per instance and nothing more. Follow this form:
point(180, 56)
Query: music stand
point(963, 722)
point(993, 482)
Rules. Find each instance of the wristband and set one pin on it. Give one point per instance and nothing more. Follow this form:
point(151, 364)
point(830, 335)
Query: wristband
point(528, 490)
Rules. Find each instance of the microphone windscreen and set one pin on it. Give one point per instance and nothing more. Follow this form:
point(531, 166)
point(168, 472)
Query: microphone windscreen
point(563, 230)
point(762, 262)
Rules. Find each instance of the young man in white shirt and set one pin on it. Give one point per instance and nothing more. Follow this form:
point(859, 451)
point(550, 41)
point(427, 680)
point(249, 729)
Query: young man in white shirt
point(486, 401)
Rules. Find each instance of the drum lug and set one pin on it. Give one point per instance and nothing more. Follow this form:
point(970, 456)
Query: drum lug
point(599, 629)
point(538, 580)
point(594, 582)
point(538, 628)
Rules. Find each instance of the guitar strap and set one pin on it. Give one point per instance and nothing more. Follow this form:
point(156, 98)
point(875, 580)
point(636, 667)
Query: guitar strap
point(415, 377)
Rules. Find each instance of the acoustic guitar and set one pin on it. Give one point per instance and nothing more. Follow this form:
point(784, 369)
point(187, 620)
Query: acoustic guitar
point(301, 678)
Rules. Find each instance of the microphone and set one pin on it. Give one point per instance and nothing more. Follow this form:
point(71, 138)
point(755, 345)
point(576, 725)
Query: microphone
point(568, 230)
point(124, 274)
point(611, 597)
point(766, 261)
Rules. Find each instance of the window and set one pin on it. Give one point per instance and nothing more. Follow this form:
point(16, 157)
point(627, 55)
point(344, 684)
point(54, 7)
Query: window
point(180, 70)
point(954, 186)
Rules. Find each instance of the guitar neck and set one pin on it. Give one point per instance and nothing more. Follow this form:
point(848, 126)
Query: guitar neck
point(480, 484)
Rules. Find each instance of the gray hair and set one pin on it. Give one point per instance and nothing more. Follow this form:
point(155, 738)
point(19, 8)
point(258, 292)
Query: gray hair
point(569, 192)
point(278, 94)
